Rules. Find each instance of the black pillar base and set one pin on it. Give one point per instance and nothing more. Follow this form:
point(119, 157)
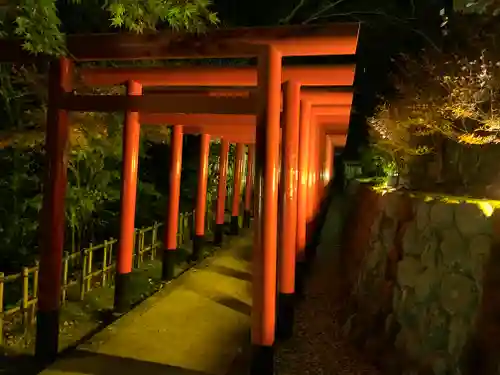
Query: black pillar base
point(122, 289)
point(262, 360)
point(246, 219)
point(198, 244)
point(47, 336)
point(168, 264)
point(300, 275)
point(235, 225)
point(285, 318)
point(218, 234)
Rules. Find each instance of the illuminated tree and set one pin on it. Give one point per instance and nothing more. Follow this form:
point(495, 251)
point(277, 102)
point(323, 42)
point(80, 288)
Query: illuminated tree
point(37, 21)
point(447, 105)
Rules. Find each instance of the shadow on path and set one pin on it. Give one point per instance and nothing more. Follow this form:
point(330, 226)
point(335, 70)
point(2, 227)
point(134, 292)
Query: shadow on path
point(231, 272)
point(88, 363)
point(234, 304)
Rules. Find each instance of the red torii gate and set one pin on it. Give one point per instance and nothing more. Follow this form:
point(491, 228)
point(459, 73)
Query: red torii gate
point(209, 78)
point(331, 119)
point(240, 131)
point(342, 75)
point(269, 45)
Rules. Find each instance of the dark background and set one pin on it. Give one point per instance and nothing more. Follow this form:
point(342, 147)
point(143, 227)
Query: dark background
point(388, 28)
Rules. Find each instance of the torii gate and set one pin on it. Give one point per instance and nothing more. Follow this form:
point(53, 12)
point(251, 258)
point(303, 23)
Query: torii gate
point(269, 45)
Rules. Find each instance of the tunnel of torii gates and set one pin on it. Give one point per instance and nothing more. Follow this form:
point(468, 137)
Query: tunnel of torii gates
point(193, 99)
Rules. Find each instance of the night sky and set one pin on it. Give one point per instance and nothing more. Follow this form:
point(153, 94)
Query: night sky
point(389, 28)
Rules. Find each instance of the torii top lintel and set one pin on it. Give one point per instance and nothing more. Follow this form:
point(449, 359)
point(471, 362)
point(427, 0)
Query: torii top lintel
point(313, 40)
point(204, 76)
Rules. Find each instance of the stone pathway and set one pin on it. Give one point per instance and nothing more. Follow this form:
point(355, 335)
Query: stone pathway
point(199, 324)
point(195, 326)
point(318, 347)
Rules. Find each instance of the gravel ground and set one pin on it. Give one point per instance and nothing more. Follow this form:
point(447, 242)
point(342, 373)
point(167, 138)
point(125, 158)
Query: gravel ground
point(318, 347)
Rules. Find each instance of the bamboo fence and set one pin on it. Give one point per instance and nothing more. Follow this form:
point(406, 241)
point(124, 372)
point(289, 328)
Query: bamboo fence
point(86, 269)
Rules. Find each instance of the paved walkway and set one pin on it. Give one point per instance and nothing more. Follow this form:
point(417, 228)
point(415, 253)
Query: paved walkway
point(196, 325)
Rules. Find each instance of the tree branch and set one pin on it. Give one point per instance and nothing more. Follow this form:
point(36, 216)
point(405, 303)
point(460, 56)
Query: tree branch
point(319, 13)
point(292, 14)
point(354, 14)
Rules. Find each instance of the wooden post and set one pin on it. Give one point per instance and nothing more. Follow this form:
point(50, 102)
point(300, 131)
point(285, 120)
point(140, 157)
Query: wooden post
point(83, 276)
point(65, 278)
point(104, 264)
point(110, 257)
point(52, 219)
point(26, 299)
point(89, 268)
point(172, 222)
point(140, 247)
point(266, 214)
point(154, 236)
point(36, 274)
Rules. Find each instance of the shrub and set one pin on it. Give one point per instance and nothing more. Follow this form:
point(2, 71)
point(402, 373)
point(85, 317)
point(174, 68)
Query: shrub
point(442, 126)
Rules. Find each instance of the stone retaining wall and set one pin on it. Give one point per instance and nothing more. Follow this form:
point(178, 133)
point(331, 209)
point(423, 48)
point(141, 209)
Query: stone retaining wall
point(424, 284)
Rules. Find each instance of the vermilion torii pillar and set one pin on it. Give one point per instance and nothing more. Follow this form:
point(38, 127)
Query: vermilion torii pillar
point(322, 179)
point(248, 212)
point(339, 115)
point(61, 101)
point(328, 173)
point(53, 213)
point(312, 196)
point(337, 138)
point(265, 235)
point(238, 175)
point(201, 197)
point(130, 163)
point(302, 192)
point(340, 112)
point(334, 138)
point(288, 212)
point(320, 163)
point(239, 132)
point(221, 193)
point(172, 221)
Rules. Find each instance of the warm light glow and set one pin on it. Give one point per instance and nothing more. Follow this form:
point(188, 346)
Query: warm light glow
point(291, 184)
point(135, 160)
point(303, 178)
point(275, 179)
point(486, 208)
point(309, 179)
